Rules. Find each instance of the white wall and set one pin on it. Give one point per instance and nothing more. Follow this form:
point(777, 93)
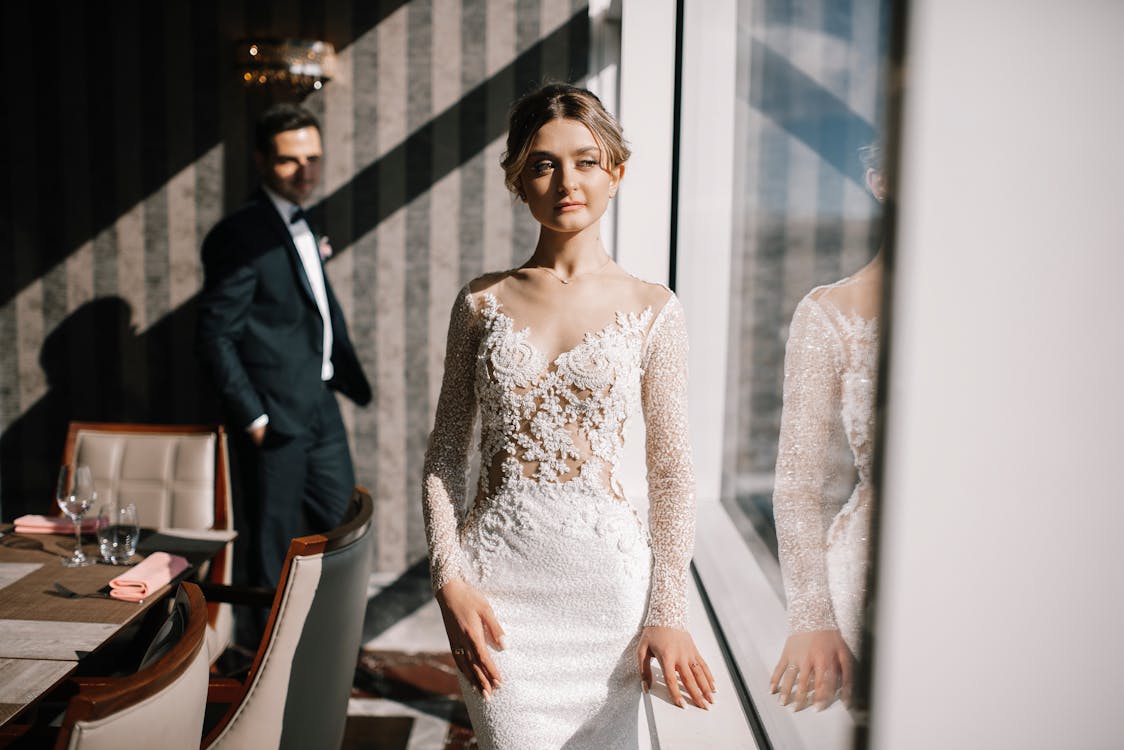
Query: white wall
point(706, 187)
point(643, 246)
point(647, 97)
point(1001, 605)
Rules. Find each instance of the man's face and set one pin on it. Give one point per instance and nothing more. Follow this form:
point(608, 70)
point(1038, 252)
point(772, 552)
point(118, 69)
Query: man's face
point(292, 170)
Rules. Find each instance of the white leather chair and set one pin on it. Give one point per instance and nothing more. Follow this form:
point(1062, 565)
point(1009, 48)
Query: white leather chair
point(297, 691)
point(160, 706)
point(176, 475)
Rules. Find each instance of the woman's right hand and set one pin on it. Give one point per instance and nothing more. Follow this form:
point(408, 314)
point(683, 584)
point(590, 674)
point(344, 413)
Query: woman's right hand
point(470, 624)
point(822, 654)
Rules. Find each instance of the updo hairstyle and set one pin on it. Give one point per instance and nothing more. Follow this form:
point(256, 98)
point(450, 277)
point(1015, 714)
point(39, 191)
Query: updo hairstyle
point(558, 101)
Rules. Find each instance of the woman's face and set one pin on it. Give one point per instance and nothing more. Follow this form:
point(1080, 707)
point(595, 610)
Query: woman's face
point(564, 181)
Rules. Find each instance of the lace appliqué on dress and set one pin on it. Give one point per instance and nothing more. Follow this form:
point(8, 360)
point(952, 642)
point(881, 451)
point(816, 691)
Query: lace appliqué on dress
point(535, 411)
point(822, 496)
point(554, 423)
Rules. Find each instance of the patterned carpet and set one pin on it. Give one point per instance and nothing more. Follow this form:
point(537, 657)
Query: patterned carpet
point(405, 695)
point(403, 701)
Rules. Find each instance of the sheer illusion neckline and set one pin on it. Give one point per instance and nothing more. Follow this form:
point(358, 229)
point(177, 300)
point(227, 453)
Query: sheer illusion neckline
point(848, 323)
point(526, 332)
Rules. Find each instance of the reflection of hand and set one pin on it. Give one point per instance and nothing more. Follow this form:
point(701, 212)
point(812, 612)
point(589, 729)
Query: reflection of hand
point(468, 616)
point(676, 653)
point(257, 435)
point(822, 654)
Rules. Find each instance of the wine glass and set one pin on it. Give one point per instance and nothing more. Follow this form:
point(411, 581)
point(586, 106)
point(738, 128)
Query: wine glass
point(75, 495)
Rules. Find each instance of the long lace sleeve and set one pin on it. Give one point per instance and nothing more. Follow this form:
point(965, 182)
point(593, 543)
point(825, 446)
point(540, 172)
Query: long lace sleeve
point(671, 478)
point(446, 458)
point(808, 465)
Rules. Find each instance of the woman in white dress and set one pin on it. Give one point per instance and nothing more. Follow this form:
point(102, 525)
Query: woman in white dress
point(822, 498)
point(554, 595)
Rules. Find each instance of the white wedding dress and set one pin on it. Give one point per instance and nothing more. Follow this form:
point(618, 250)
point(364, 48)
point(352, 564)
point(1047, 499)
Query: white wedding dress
point(550, 540)
point(822, 497)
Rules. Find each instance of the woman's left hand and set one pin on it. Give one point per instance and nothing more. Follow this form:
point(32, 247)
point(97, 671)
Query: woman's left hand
point(676, 652)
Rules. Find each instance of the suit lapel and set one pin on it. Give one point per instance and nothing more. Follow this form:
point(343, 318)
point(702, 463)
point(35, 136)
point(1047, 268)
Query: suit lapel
point(283, 233)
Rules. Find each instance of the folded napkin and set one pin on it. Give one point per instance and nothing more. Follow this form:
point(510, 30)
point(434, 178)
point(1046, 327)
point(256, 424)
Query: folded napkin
point(150, 574)
point(52, 525)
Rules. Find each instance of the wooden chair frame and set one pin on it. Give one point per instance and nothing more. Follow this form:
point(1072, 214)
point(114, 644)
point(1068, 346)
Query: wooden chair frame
point(231, 692)
point(222, 475)
point(222, 470)
point(98, 698)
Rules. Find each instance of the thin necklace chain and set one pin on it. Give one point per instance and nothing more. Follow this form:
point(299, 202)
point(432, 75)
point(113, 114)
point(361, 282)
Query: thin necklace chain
point(600, 268)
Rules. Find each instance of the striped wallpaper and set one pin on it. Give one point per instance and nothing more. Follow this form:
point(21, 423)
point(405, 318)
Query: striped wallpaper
point(131, 137)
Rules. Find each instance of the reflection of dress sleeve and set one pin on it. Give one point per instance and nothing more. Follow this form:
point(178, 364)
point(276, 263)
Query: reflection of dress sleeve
point(671, 478)
point(446, 459)
point(807, 465)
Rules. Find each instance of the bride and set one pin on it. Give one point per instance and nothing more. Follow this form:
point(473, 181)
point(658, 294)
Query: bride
point(554, 595)
point(823, 494)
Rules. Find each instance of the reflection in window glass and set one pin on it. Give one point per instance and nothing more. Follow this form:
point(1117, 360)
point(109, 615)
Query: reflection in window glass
point(809, 97)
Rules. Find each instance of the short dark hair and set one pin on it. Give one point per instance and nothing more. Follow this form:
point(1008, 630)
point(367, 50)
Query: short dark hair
point(280, 118)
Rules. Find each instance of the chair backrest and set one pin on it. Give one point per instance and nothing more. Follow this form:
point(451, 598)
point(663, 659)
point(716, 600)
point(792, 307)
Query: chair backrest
point(161, 705)
point(176, 475)
point(297, 691)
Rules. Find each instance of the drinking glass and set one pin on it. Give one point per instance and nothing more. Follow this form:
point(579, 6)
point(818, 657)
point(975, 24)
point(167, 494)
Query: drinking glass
point(118, 529)
point(75, 495)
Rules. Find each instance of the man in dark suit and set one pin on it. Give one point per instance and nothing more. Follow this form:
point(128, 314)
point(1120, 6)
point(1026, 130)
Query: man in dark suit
point(274, 340)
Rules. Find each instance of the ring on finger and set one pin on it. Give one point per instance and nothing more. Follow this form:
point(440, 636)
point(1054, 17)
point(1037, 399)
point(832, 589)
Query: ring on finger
point(792, 666)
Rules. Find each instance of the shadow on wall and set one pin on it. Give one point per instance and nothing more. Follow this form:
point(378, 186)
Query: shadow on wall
point(99, 369)
point(97, 366)
point(99, 106)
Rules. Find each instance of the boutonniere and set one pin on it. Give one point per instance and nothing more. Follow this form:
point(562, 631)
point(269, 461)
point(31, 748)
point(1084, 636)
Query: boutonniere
point(325, 247)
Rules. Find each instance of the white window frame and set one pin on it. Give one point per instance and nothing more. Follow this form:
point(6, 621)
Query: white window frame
point(642, 242)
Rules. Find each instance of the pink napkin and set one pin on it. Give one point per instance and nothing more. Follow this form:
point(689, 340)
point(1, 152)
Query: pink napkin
point(149, 575)
point(52, 525)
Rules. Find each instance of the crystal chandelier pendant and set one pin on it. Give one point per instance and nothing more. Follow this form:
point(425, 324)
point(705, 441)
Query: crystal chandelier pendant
point(301, 65)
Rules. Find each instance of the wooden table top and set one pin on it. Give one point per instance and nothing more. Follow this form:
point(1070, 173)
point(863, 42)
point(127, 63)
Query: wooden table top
point(32, 596)
point(44, 635)
point(22, 681)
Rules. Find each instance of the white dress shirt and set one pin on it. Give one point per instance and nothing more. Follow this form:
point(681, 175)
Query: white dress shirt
point(309, 253)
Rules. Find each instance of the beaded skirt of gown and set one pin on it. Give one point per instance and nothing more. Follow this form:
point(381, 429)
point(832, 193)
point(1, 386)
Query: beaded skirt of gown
point(550, 540)
point(822, 497)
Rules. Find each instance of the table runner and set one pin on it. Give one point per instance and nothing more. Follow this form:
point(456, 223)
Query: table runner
point(11, 572)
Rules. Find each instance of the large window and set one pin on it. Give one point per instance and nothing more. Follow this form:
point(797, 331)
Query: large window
point(807, 102)
point(777, 100)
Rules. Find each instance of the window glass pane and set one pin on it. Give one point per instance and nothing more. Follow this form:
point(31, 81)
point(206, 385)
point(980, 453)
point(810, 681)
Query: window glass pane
point(805, 280)
point(809, 98)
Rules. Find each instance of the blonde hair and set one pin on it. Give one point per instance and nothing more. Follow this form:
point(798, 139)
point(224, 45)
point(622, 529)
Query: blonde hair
point(559, 101)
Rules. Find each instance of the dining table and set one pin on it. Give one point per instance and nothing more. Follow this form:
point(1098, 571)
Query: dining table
point(45, 633)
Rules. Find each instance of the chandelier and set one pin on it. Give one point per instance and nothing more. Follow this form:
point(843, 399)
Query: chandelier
point(300, 64)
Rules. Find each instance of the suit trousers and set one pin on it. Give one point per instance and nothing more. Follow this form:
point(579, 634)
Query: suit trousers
point(292, 485)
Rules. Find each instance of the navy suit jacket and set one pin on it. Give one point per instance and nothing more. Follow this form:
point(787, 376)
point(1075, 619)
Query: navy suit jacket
point(260, 334)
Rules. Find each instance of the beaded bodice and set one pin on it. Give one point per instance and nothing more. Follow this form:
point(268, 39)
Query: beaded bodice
point(825, 451)
point(553, 421)
point(858, 370)
point(544, 419)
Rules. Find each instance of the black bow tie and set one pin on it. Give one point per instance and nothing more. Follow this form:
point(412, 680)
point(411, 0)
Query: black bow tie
point(298, 215)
